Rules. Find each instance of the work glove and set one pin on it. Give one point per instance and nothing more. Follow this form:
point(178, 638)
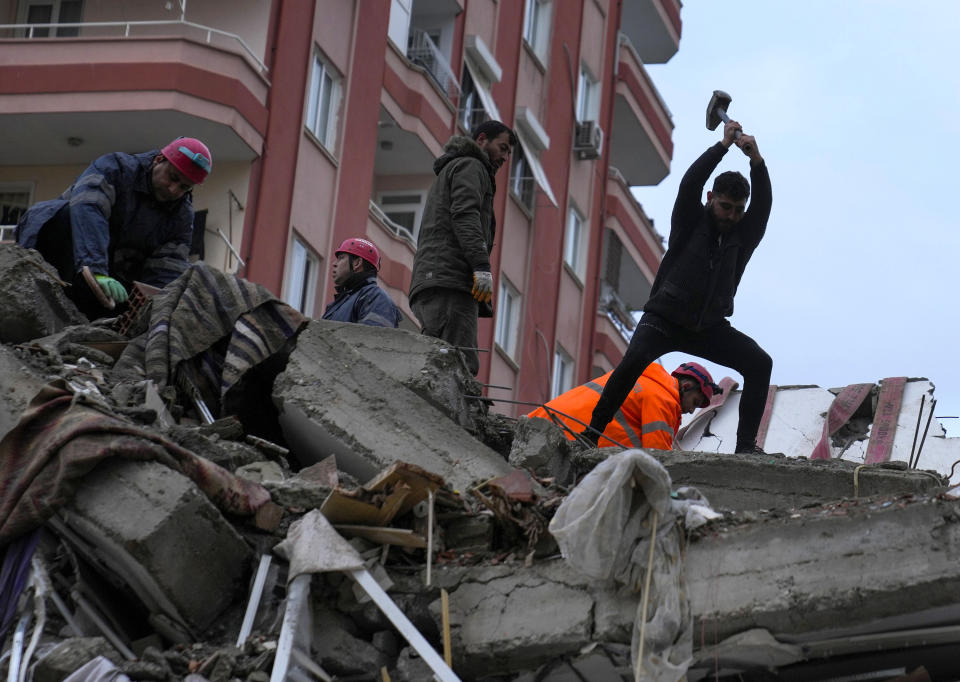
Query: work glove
point(112, 288)
point(483, 286)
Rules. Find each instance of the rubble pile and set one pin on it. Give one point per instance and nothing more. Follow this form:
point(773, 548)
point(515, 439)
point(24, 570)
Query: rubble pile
point(343, 507)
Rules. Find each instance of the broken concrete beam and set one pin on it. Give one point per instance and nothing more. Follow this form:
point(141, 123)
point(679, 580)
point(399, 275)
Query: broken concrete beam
point(750, 482)
point(540, 446)
point(32, 298)
point(333, 401)
point(831, 571)
point(427, 366)
point(157, 531)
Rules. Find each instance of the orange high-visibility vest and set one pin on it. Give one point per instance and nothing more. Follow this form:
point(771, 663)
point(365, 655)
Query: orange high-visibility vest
point(648, 418)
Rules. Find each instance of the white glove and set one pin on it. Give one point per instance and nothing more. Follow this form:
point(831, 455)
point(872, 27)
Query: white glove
point(483, 286)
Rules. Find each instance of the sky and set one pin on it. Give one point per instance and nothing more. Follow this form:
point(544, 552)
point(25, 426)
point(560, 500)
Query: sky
point(855, 106)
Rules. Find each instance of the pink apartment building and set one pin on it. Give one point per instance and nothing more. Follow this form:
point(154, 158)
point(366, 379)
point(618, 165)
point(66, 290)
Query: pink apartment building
point(324, 118)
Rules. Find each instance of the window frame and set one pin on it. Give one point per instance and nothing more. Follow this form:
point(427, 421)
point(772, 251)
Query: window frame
point(506, 333)
point(320, 66)
point(56, 7)
point(564, 370)
point(305, 283)
point(536, 26)
point(588, 95)
point(519, 183)
point(573, 244)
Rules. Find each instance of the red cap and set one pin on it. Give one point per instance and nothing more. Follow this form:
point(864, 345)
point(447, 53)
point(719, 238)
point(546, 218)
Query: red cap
point(362, 248)
point(189, 156)
point(699, 373)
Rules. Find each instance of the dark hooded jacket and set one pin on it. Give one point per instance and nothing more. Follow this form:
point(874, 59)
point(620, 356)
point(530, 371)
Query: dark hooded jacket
point(362, 301)
point(701, 270)
point(458, 226)
point(116, 222)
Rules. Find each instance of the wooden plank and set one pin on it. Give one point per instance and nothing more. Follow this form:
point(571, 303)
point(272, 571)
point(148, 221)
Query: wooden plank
point(402, 537)
point(884, 428)
point(340, 507)
point(419, 480)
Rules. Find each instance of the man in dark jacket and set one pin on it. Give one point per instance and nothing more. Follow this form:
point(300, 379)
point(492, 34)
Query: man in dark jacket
point(358, 297)
point(127, 217)
point(451, 270)
point(692, 294)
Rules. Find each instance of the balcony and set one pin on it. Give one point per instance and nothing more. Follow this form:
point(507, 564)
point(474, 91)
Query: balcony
point(653, 26)
point(642, 126)
point(70, 91)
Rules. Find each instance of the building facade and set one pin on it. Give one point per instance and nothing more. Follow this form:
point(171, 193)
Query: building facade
point(324, 119)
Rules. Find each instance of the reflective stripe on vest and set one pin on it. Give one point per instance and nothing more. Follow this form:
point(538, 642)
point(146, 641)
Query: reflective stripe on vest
point(657, 426)
point(621, 420)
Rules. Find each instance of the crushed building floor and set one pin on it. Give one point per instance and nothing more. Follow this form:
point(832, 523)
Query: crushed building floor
point(138, 531)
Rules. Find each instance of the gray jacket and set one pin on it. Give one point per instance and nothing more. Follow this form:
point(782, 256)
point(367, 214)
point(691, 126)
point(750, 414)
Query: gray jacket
point(458, 226)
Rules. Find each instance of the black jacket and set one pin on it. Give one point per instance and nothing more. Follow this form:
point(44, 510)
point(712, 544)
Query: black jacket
point(701, 270)
point(457, 230)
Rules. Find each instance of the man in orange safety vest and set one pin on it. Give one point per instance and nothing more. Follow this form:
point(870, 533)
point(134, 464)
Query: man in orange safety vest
point(649, 417)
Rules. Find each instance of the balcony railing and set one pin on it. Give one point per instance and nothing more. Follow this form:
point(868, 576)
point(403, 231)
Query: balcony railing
point(391, 226)
point(423, 52)
point(617, 311)
point(133, 29)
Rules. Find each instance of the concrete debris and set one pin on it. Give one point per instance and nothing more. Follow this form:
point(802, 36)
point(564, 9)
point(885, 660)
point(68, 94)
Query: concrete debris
point(334, 401)
point(134, 513)
point(811, 559)
point(32, 299)
point(796, 423)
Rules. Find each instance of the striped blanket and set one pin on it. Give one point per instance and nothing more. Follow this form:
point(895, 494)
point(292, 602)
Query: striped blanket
point(60, 438)
point(210, 328)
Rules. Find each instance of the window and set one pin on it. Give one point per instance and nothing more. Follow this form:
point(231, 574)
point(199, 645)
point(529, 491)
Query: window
point(470, 109)
point(302, 278)
point(323, 102)
point(508, 318)
point(536, 26)
point(588, 96)
point(405, 210)
point(562, 373)
point(53, 12)
point(573, 242)
point(521, 178)
point(14, 200)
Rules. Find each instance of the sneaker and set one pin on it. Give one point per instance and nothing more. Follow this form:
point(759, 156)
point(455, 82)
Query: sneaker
point(751, 449)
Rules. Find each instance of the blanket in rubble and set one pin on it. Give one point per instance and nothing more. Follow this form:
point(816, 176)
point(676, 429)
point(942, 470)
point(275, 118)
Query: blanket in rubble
point(209, 328)
point(63, 435)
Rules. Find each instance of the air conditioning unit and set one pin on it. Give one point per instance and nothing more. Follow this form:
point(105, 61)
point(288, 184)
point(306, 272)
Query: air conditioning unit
point(588, 141)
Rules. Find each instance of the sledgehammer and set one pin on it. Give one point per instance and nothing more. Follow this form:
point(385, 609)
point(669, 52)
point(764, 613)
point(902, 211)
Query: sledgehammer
point(717, 111)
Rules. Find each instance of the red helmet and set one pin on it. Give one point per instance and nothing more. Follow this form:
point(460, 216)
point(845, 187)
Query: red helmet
point(699, 373)
point(189, 156)
point(362, 248)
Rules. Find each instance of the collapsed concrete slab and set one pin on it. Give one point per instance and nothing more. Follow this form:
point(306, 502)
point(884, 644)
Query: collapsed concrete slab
point(427, 366)
point(848, 568)
point(749, 482)
point(334, 401)
point(156, 529)
point(19, 382)
point(32, 298)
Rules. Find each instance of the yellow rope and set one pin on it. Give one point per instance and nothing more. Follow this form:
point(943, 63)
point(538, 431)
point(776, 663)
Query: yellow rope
point(646, 596)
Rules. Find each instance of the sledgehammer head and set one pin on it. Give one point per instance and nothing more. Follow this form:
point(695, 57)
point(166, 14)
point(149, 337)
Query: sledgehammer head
point(717, 109)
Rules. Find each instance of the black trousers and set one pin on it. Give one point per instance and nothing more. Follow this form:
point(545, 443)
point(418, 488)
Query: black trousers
point(722, 344)
point(451, 315)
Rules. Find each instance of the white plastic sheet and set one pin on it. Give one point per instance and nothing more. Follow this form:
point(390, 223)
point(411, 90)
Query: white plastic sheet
point(603, 529)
